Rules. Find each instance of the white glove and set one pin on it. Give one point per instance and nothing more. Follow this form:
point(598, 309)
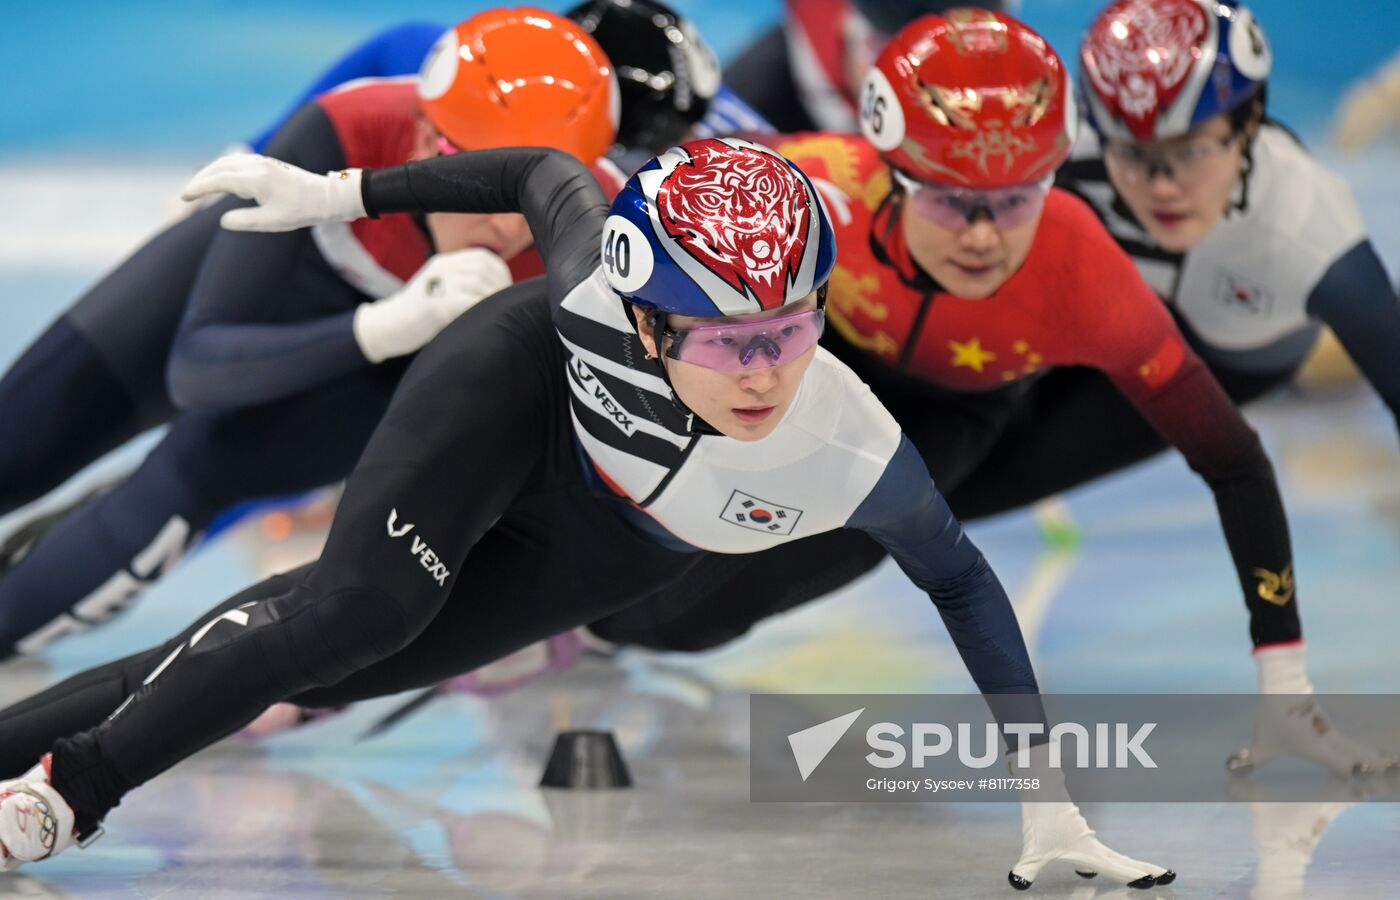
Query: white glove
point(1054, 829)
point(179, 208)
point(1288, 722)
point(289, 198)
point(446, 286)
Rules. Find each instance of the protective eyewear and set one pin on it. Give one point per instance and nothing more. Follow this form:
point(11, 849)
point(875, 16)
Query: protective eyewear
point(956, 207)
point(1136, 163)
point(740, 346)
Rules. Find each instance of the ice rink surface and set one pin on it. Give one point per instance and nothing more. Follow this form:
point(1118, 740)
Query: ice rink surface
point(446, 803)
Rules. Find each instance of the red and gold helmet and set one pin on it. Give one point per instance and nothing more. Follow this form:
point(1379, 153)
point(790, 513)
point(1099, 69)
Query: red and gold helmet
point(520, 78)
point(972, 98)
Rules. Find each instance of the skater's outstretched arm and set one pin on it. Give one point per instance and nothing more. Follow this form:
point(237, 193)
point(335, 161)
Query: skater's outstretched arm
point(1357, 301)
point(907, 514)
point(260, 324)
point(559, 197)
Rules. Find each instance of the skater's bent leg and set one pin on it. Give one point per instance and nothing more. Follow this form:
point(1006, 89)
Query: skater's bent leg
point(1072, 428)
point(31, 726)
point(96, 561)
point(427, 488)
point(96, 377)
point(61, 407)
point(1075, 427)
point(555, 562)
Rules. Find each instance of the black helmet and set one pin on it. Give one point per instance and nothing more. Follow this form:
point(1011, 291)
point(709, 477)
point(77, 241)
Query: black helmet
point(665, 70)
point(889, 16)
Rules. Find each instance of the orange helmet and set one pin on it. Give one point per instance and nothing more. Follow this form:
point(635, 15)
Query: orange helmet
point(520, 78)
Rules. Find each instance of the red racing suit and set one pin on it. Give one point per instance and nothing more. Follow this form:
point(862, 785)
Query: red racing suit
point(1076, 301)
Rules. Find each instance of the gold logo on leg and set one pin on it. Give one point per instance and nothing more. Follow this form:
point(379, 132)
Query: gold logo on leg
point(1275, 588)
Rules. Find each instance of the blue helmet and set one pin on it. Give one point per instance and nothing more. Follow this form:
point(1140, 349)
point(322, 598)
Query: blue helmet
point(717, 227)
point(1154, 69)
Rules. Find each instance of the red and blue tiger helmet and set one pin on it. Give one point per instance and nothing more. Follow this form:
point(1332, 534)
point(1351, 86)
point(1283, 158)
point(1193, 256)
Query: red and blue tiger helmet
point(717, 227)
point(1155, 69)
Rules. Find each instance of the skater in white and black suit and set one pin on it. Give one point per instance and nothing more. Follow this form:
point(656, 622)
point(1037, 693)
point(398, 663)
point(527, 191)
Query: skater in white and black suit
point(562, 450)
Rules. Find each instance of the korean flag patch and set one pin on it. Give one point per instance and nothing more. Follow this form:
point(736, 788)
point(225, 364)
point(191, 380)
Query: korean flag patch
point(748, 511)
point(1242, 296)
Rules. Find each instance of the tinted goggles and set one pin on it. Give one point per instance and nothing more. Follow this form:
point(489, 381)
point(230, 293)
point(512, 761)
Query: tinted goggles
point(955, 208)
point(737, 346)
point(1177, 160)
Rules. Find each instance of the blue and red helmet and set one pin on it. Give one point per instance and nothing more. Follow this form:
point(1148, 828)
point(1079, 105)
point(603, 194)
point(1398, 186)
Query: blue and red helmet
point(1155, 69)
point(717, 227)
